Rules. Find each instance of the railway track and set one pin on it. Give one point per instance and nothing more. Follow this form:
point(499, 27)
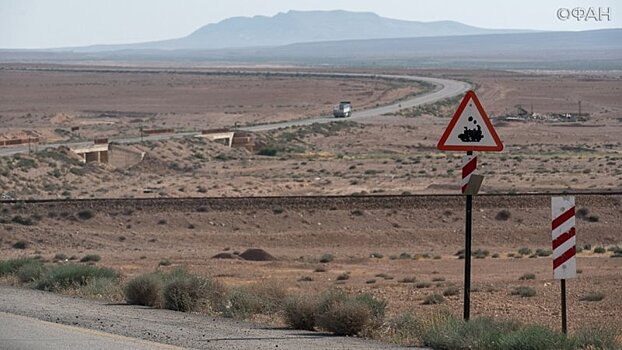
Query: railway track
point(368, 202)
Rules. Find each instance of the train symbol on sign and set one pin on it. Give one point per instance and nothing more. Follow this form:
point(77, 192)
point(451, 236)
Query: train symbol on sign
point(472, 135)
point(470, 129)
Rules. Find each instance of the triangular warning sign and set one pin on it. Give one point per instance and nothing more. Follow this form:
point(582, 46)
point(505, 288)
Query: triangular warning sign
point(470, 129)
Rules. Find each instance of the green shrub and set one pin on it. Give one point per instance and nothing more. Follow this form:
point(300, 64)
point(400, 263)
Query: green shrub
point(71, 275)
point(376, 306)
point(144, 290)
point(535, 338)
point(527, 276)
point(30, 271)
point(503, 215)
point(300, 312)
point(481, 253)
point(421, 285)
point(544, 252)
point(347, 317)
point(102, 288)
point(344, 276)
point(433, 299)
point(525, 292)
point(600, 250)
point(326, 258)
point(91, 258)
point(23, 220)
point(405, 256)
point(8, 267)
point(451, 291)
point(597, 338)
point(262, 298)
point(593, 296)
point(183, 292)
point(524, 251)
point(21, 244)
point(86, 214)
point(412, 279)
point(406, 328)
point(268, 151)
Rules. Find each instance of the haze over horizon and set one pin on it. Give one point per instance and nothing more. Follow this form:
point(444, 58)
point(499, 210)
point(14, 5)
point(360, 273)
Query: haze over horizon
point(29, 24)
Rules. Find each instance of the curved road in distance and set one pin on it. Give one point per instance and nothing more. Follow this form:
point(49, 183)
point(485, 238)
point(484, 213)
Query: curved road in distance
point(445, 88)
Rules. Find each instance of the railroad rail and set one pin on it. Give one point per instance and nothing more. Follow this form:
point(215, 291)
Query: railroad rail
point(346, 202)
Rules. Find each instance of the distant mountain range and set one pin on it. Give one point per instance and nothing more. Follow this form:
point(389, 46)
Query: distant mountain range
point(342, 38)
point(301, 27)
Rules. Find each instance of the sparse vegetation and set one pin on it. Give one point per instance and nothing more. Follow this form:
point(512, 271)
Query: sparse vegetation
point(433, 299)
point(593, 296)
point(86, 214)
point(524, 251)
point(72, 275)
point(600, 250)
point(144, 290)
point(527, 276)
point(326, 258)
point(91, 258)
point(525, 292)
point(503, 215)
point(21, 244)
point(451, 291)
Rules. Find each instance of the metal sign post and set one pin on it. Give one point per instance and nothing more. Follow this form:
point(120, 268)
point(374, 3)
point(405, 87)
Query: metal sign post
point(564, 246)
point(469, 130)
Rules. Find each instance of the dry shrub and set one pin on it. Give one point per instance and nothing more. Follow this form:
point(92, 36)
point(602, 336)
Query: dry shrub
point(347, 317)
point(144, 290)
point(299, 312)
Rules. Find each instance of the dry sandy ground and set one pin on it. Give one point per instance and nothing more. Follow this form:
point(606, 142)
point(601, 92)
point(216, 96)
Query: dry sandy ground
point(393, 154)
point(135, 238)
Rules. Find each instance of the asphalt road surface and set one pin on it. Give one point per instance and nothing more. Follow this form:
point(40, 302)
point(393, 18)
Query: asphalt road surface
point(445, 88)
point(31, 319)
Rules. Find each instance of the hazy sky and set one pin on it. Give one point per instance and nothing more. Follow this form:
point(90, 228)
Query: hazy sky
point(61, 23)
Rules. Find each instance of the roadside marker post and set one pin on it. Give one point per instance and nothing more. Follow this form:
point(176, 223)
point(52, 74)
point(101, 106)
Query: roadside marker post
point(469, 130)
point(564, 246)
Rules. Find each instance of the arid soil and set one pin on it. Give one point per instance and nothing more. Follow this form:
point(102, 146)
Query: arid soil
point(376, 248)
point(393, 154)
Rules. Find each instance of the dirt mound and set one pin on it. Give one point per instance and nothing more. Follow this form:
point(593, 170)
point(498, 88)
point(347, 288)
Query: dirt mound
point(255, 254)
point(226, 255)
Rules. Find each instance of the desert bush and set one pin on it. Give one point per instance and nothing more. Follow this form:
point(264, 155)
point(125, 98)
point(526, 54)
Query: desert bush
point(593, 296)
point(451, 291)
point(71, 275)
point(543, 252)
point(8, 267)
point(278, 210)
point(261, 298)
point(421, 285)
point(21, 244)
point(376, 306)
point(408, 280)
point(433, 299)
point(23, 220)
point(600, 250)
point(326, 258)
point(376, 255)
point(102, 288)
point(598, 338)
point(347, 317)
point(524, 251)
point(182, 292)
point(91, 258)
point(405, 256)
point(164, 262)
point(405, 328)
point(503, 215)
point(299, 312)
point(86, 214)
point(593, 218)
point(268, 151)
point(525, 292)
point(527, 276)
point(481, 253)
point(30, 271)
point(144, 290)
point(344, 276)
point(535, 338)
point(60, 257)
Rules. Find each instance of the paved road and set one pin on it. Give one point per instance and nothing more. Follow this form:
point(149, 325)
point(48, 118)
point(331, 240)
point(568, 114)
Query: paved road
point(19, 332)
point(97, 323)
point(444, 88)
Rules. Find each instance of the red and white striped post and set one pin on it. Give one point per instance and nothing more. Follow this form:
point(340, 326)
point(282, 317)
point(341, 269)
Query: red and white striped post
point(469, 167)
point(564, 245)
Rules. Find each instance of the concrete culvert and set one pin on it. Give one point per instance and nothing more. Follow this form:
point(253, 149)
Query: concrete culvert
point(255, 254)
